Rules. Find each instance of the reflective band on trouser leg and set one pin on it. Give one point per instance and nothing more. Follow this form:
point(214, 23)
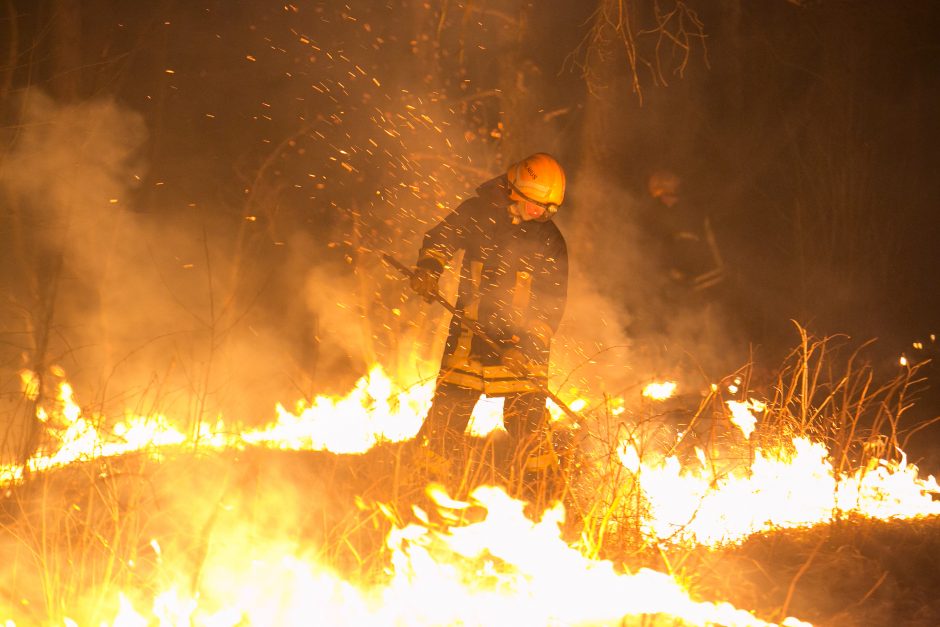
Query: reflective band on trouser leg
point(466, 376)
point(426, 460)
point(541, 455)
point(498, 380)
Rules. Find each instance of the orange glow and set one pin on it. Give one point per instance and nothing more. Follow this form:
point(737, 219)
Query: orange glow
point(504, 568)
point(659, 391)
point(741, 415)
point(782, 488)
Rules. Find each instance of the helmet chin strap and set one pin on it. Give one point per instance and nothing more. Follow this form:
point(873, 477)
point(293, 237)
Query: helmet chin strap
point(549, 209)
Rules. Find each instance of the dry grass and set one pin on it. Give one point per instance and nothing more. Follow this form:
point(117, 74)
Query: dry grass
point(72, 539)
point(854, 572)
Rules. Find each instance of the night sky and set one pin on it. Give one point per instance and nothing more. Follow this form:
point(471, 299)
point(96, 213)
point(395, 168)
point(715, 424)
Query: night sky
point(215, 177)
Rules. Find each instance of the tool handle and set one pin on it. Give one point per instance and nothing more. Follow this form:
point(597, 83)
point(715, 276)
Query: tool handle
point(397, 265)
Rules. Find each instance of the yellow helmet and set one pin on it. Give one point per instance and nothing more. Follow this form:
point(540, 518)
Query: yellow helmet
point(539, 179)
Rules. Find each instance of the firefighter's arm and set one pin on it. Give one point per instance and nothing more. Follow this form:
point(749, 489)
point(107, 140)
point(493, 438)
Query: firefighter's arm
point(442, 241)
point(440, 244)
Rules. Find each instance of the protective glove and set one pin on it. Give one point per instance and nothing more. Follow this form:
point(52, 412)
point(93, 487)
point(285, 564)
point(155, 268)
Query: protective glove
point(424, 282)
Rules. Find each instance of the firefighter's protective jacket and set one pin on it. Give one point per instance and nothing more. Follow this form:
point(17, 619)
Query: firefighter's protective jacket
point(683, 240)
point(513, 282)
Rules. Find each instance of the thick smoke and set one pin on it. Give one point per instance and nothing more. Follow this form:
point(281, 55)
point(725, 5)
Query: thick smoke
point(167, 310)
point(621, 329)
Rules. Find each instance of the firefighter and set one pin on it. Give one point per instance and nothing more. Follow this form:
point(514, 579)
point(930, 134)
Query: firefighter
point(694, 266)
point(513, 282)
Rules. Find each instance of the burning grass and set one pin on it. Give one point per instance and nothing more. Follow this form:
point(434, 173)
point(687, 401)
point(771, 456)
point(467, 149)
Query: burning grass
point(798, 512)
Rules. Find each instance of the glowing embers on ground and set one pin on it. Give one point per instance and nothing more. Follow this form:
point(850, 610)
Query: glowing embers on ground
point(483, 563)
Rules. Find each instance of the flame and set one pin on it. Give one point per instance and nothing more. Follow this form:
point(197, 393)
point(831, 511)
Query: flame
point(76, 438)
point(709, 503)
point(781, 488)
point(373, 412)
point(659, 391)
point(741, 415)
point(29, 383)
point(503, 569)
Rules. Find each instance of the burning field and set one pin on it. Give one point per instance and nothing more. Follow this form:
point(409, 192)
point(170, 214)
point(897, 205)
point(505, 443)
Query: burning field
point(211, 385)
point(745, 511)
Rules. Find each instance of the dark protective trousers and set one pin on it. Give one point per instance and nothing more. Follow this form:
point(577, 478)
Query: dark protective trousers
point(524, 417)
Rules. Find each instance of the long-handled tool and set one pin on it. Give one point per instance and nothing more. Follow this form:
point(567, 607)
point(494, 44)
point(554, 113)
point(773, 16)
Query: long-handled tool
point(480, 332)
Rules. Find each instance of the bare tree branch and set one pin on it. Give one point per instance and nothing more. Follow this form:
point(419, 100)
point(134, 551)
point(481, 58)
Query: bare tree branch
point(663, 47)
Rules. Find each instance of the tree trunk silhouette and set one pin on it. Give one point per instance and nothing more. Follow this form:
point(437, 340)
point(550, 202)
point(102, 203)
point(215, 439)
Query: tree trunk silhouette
point(66, 53)
point(604, 74)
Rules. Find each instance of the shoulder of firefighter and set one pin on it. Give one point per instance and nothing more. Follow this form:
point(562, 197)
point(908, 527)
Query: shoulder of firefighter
point(442, 241)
